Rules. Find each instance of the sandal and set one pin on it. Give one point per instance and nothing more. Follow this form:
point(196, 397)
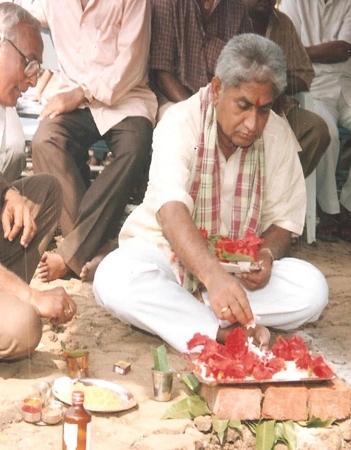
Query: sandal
point(332, 225)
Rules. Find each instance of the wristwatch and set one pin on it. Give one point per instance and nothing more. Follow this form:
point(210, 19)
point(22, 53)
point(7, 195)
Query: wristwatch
point(87, 93)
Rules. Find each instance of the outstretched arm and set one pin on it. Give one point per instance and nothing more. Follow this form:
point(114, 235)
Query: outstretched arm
point(54, 304)
point(223, 289)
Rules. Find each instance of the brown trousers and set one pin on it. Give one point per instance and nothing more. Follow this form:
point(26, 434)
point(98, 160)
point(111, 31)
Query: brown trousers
point(91, 213)
point(313, 135)
point(20, 324)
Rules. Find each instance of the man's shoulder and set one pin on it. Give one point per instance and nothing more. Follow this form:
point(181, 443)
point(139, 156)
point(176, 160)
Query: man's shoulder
point(277, 131)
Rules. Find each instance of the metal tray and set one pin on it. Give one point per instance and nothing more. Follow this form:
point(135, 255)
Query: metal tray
point(61, 386)
point(283, 377)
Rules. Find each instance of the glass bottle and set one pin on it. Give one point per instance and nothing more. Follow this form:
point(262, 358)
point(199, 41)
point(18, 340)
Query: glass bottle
point(77, 425)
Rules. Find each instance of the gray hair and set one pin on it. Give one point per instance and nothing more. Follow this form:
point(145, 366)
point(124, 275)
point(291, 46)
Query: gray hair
point(11, 15)
point(251, 57)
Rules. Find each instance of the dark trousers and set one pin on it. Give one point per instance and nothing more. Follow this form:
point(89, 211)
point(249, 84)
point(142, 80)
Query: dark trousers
point(91, 213)
point(313, 135)
point(42, 194)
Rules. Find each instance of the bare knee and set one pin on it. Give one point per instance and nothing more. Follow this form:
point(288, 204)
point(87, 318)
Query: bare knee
point(20, 329)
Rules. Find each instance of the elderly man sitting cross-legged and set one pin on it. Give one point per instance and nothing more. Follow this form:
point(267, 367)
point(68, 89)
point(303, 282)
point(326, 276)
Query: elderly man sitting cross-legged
point(223, 161)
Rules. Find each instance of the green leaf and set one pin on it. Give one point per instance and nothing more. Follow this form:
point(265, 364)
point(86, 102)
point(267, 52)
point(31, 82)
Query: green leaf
point(198, 406)
point(74, 353)
point(252, 425)
point(285, 432)
point(179, 410)
point(289, 434)
point(188, 408)
point(315, 422)
point(236, 424)
point(235, 257)
point(265, 435)
point(192, 382)
point(220, 426)
point(160, 358)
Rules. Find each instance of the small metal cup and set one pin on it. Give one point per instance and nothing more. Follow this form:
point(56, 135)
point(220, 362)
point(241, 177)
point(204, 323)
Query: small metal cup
point(162, 385)
point(78, 366)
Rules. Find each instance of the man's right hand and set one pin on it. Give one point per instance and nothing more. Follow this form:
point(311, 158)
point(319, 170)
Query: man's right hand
point(228, 299)
point(54, 304)
point(16, 216)
point(62, 102)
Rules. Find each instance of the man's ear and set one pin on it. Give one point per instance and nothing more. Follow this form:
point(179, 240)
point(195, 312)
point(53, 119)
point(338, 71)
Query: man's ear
point(216, 88)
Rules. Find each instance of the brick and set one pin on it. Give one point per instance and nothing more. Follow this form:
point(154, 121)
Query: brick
point(231, 402)
point(285, 403)
point(330, 401)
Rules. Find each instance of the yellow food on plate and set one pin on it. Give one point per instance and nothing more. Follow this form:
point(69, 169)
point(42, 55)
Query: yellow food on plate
point(96, 398)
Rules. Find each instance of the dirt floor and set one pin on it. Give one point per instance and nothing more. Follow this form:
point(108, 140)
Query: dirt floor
point(142, 427)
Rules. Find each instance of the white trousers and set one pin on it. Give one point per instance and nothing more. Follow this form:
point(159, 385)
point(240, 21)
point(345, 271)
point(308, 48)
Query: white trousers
point(135, 283)
point(334, 113)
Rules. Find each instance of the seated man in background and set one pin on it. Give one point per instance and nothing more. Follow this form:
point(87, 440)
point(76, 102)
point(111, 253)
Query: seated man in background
point(30, 207)
point(103, 50)
point(325, 30)
point(186, 39)
point(309, 128)
point(225, 162)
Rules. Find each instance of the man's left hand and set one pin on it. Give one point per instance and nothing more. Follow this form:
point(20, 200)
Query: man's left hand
point(16, 216)
point(257, 280)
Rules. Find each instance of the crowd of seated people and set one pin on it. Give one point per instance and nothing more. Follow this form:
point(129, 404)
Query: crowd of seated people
point(141, 64)
point(176, 57)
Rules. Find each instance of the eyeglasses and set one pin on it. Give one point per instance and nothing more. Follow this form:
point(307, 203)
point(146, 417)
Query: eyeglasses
point(32, 67)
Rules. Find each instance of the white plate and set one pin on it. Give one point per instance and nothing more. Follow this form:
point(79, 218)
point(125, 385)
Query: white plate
point(61, 386)
point(241, 266)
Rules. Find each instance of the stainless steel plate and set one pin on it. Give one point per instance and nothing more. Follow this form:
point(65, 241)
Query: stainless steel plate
point(241, 266)
point(63, 385)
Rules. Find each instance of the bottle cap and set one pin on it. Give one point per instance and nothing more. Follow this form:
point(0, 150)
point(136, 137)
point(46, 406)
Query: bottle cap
point(77, 397)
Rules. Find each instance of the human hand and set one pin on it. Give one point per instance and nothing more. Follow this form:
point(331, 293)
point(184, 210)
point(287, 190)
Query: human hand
point(16, 216)
point(61, 103)
point(54, 304)
point(257, 280)
point(228, 299)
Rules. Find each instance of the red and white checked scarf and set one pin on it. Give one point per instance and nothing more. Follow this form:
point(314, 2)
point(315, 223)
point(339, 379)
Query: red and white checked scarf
point(206, 189)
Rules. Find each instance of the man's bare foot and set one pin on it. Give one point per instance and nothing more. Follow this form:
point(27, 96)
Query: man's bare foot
point(260, 334)
point(51, 267)
point(88, 270)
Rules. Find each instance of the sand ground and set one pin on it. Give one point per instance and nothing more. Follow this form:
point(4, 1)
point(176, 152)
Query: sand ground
point(141, 427)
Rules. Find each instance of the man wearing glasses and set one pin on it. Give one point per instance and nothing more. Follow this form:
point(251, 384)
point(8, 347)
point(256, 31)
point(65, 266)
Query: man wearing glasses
point(30, 207)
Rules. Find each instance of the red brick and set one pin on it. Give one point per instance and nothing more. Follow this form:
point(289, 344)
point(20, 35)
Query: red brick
point(285, 403)
point(231, 402)
point(331, 401)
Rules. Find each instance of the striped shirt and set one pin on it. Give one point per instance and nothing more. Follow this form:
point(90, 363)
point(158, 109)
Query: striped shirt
point(183, 46)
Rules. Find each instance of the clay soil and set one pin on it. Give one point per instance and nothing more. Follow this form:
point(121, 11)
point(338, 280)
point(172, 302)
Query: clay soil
point(142, 427)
